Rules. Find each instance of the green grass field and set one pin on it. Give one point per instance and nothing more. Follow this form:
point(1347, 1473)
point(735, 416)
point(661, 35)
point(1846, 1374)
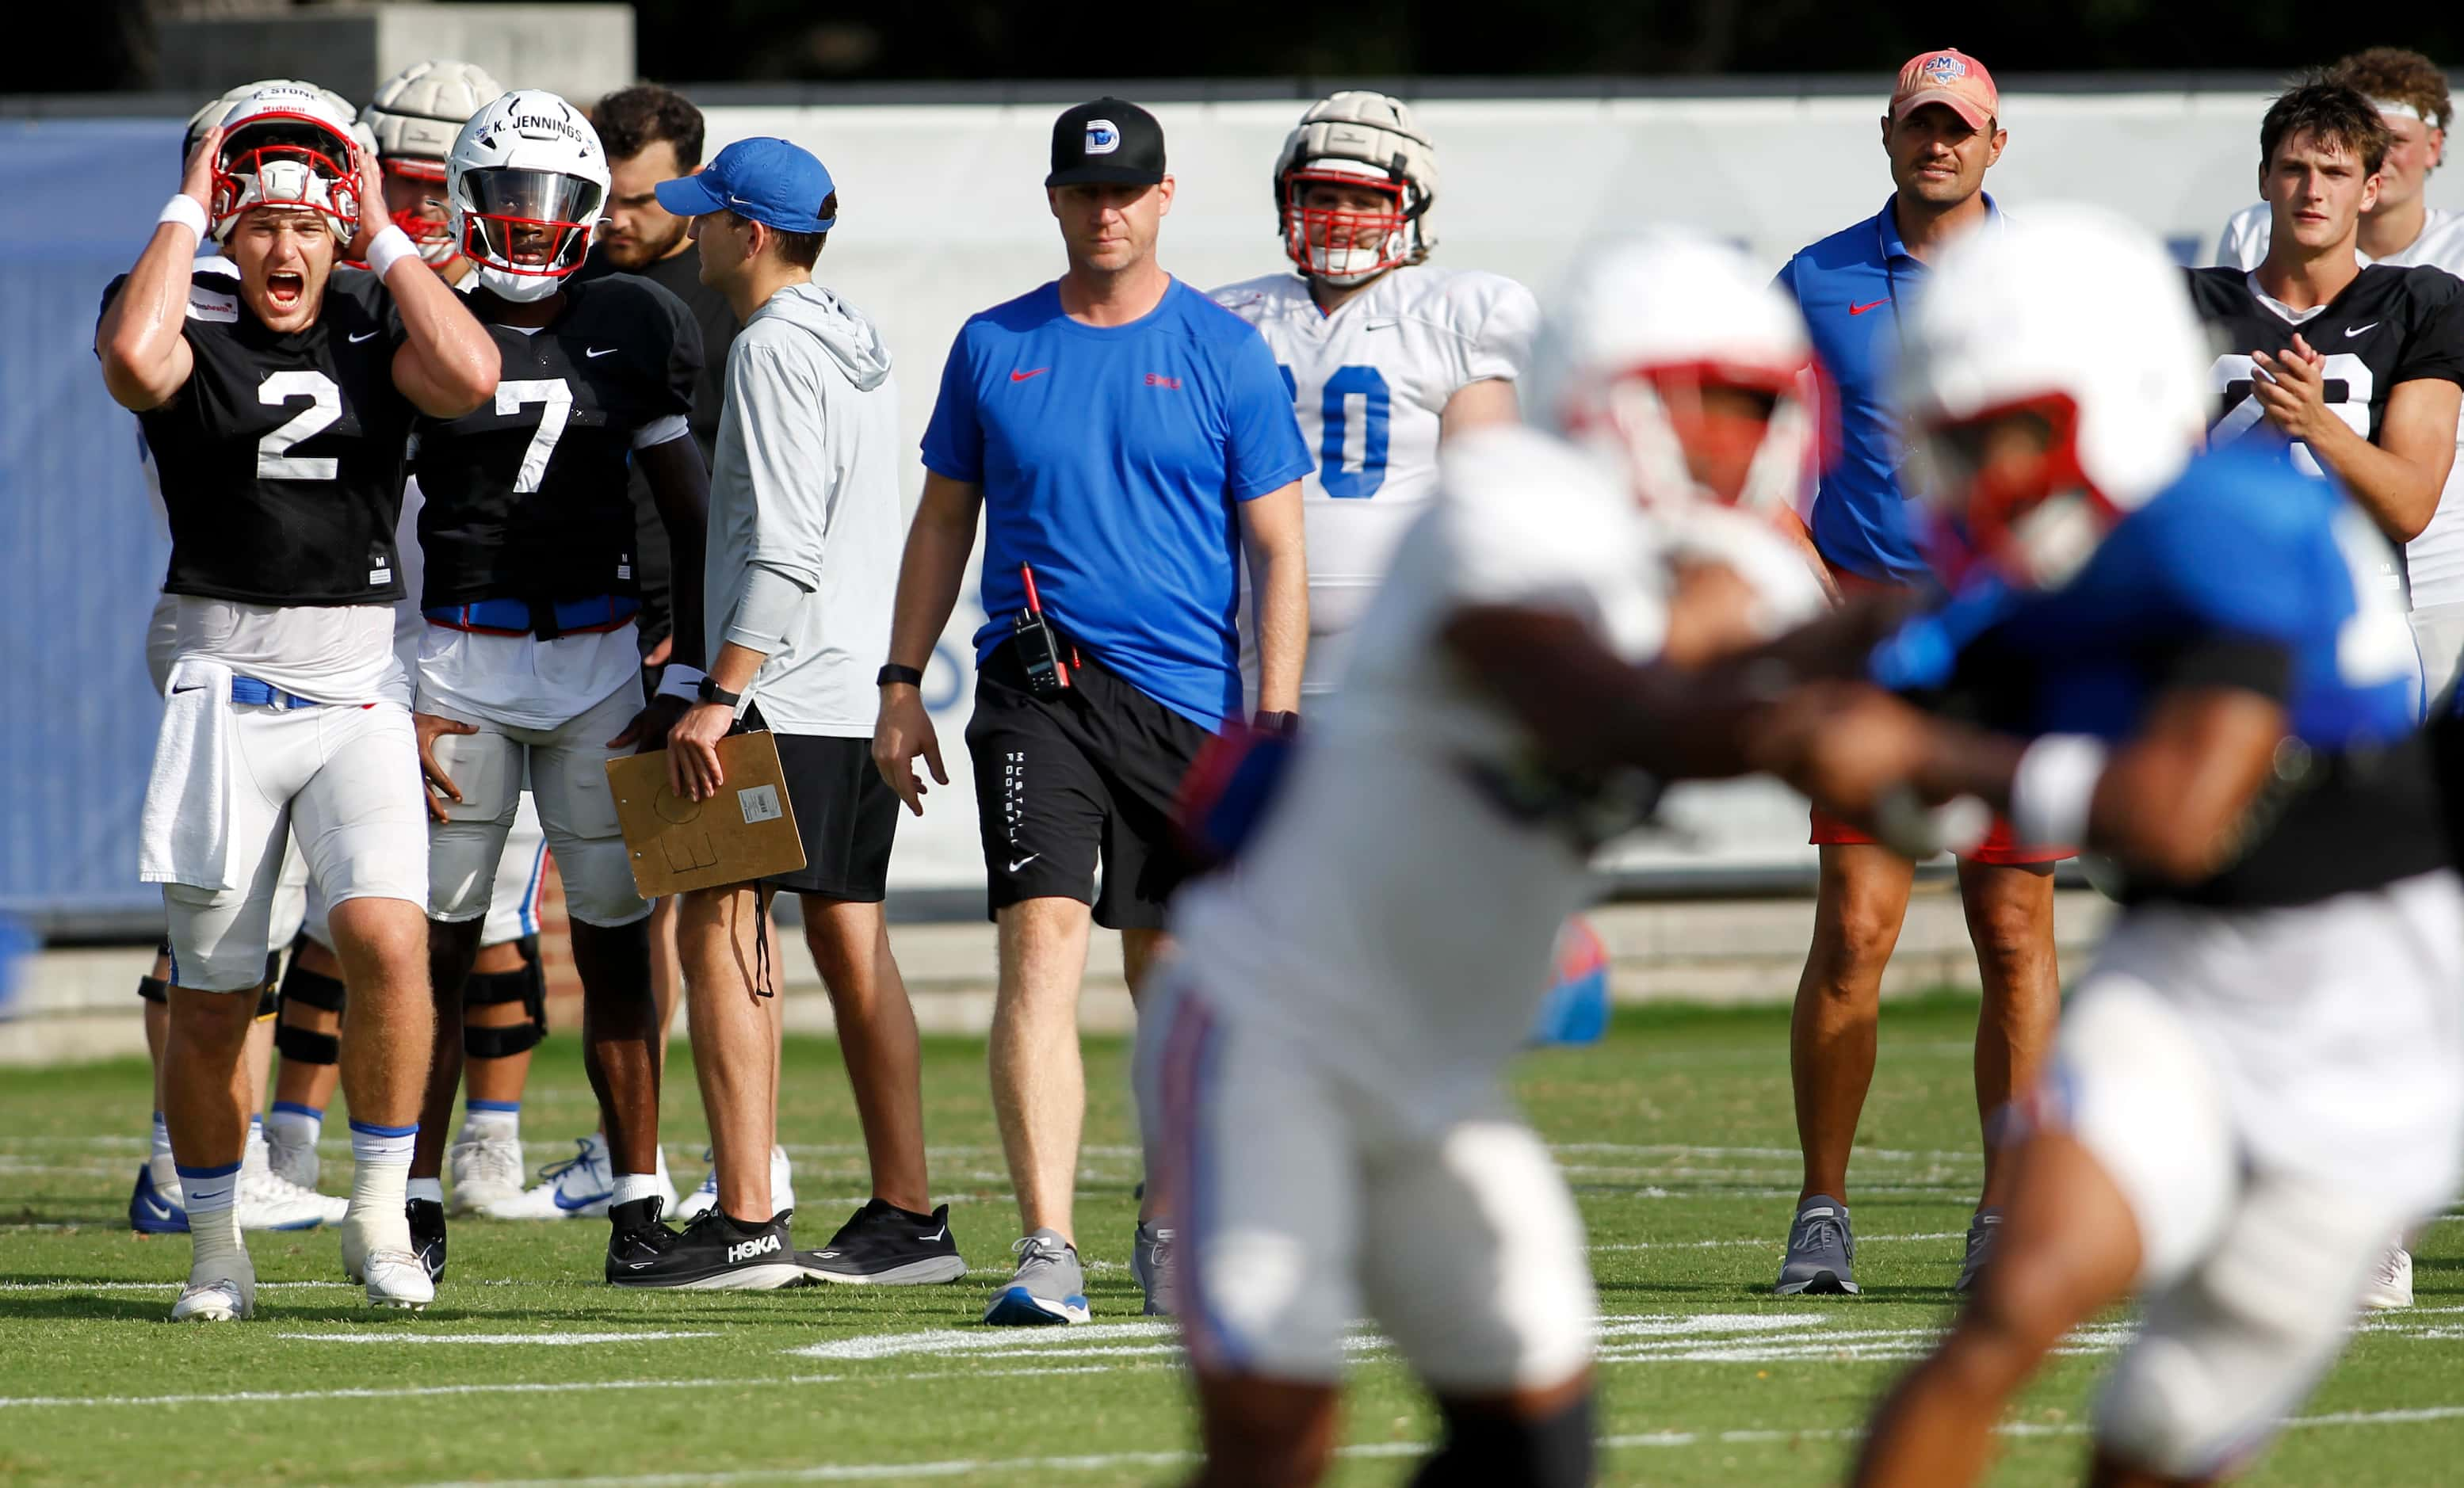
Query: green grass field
point(1676, 1133)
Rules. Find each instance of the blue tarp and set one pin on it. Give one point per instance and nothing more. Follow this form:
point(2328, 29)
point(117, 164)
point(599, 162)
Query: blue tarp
point(81, 551)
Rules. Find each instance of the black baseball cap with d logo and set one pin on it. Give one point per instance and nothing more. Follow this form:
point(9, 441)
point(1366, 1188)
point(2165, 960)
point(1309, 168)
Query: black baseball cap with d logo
point(1110, 141)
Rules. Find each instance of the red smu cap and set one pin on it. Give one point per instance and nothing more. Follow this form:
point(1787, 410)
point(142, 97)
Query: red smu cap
point(1947, 77)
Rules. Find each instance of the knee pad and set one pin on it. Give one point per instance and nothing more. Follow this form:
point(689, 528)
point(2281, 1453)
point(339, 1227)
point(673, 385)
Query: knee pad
point(527, 987)
point(268, 1003)
point(312, 990)
point(154, 990)
point(1485, 1447)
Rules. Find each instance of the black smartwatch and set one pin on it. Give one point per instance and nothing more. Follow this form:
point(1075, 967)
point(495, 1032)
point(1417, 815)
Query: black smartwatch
point(891, 671)
point(710, 691)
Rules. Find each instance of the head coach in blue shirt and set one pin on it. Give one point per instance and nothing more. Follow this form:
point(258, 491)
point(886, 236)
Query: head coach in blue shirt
point(1126, 439)
point(1942, 132)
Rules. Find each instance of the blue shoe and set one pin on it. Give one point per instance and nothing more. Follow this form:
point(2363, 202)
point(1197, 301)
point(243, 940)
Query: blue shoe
point(155, 1210)
point(1049, 1287)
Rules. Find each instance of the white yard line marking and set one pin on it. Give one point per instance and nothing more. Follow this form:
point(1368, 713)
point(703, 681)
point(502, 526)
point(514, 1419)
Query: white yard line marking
point(542, 1340)
point(1018, 1468)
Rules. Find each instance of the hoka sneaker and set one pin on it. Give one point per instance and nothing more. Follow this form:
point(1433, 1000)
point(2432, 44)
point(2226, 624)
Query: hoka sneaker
point(716, 1254)
point(1821, 1251)
point(1049, 1286)
point(882, 1246)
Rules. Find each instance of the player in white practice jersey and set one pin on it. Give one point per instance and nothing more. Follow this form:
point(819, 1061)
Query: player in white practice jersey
point(1329, 1045)
point(1385, 355)
point(2402, 229)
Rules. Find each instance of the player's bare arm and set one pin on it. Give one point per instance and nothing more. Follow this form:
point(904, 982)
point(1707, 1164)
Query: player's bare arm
point(145, 359)
point(1589, 709)
point(680, 487)
point(1270, 536)
point(2396, 480)
point(1475, 406)
point(930, 572)
point(448, 363)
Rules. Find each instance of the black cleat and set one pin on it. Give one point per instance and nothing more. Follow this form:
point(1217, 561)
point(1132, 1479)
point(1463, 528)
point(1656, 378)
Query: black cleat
point(882, 1246)
point(717, 1253)
point(426, 1218)
point(636, 1240)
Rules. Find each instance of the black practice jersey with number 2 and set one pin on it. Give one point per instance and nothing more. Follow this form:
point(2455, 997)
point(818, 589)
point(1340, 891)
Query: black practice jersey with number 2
point(527, 497)
point(280, 458)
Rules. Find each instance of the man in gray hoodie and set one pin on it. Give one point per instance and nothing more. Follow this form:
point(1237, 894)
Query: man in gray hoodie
point(805, 534)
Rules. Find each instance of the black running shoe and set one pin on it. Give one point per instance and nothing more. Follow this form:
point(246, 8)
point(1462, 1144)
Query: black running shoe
point(715, 1252)
point(883, 1245)
point(636, 1240)
point(426, 1218)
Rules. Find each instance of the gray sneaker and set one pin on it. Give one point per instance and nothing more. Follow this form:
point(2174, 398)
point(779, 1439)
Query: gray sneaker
point(1151, 1262)
point(1821, 1251)
point(1049, 1286)
point(1984, 1230)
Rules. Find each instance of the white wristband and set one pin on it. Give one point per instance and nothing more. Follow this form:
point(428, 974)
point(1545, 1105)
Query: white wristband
point(679, 681)
point(390, 247)
point(184, 210)
point(2053, 789)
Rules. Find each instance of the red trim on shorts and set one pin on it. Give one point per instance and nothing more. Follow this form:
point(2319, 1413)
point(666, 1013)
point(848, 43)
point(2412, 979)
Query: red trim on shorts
point(1999, 849)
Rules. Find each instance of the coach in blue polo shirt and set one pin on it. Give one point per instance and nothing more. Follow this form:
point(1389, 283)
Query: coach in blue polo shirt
point(1942, 133)
point(1126, 438)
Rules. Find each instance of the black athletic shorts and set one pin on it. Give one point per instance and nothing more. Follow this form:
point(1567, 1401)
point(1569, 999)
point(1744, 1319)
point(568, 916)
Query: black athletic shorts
point(845, 814)
point(1066, 782)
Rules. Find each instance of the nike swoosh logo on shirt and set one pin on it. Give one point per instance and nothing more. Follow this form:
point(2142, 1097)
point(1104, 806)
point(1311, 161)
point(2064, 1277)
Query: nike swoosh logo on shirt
point(1024, 861)
point(362, 337)
point(2359, 329)
point(1859, 310)
point(600, 351)
point(1381, 325)
point(1020, 377)
point(197, 686)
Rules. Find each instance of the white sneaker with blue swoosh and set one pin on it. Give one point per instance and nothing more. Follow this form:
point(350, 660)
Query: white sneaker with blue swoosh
point(579, 1187)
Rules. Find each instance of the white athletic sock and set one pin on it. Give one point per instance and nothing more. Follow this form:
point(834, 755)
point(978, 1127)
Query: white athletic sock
point(379, 1183)
point(431, 1190)
point(491, 1121)
point(213, 1225)
point(294, 1124)
point(631, 1186)
point(158, 1157)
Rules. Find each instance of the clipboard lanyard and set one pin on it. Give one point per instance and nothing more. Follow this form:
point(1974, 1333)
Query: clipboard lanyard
point(764, 984)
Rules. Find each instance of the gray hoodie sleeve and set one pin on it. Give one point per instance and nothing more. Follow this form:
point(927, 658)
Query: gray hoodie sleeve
point(786, 465)
point(766, 605)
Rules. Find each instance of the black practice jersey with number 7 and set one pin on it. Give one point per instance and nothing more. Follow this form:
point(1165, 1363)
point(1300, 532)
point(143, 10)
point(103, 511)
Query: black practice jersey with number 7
point(527, 497)
point(281, 459)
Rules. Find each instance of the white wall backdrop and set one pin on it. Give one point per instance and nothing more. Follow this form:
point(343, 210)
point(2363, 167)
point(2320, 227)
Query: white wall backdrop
point(942, 213)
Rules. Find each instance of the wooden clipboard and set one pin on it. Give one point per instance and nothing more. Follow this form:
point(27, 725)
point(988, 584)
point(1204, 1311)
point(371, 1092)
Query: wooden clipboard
point(745, 832)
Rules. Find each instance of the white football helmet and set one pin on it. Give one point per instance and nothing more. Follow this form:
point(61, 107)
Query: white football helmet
point(1996, 330)
point(211, 114)
point(1356, 138)
point(1629, 346)
point(290, 145)
point(525, 183)
point(415, 116)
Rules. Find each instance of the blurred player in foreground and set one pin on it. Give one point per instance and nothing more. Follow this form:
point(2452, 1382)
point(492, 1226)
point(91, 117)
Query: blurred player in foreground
point(280, 410)
point(1320, 1076)
point(2190, 671)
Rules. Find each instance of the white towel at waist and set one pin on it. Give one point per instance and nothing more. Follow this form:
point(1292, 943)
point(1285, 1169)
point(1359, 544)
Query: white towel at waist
point(185, 829)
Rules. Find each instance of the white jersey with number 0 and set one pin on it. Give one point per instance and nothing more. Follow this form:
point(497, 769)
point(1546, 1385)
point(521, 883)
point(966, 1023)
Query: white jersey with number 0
point(1399, 902)
point(1369, 383)
point(2435, 561)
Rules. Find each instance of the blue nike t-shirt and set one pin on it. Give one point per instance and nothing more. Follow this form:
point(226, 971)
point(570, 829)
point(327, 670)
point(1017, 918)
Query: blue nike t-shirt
point(1111, 459)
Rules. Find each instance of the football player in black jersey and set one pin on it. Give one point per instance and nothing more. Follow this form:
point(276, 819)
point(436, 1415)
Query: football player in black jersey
point(2358, 367)
point(277, 410)
point(530, 665)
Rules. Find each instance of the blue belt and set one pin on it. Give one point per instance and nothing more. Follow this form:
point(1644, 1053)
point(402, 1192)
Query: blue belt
point(265, 694)
point(523, 617)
